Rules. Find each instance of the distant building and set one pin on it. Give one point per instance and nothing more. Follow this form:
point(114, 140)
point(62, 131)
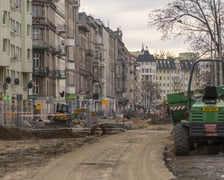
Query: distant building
point(165, 75)
point(146, 77)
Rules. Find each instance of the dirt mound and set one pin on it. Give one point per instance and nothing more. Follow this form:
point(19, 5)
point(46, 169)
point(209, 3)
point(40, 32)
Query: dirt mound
point(14, 134)
point(7, 133)
point(57, 134)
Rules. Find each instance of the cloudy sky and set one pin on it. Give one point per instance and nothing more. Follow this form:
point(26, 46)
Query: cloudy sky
point(132, 17)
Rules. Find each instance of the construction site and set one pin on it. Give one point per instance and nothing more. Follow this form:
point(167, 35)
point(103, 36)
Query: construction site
point(24, 151)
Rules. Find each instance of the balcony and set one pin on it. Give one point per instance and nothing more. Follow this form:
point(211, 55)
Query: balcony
point(40, 71)
point(89, 53)
point(75, 3)
point(61, 28)
point(59, 74)
point(39, 45)
point(58, 50)
point(85, 72)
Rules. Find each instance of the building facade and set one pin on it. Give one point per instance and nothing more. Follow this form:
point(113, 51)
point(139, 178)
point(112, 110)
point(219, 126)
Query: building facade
point(53, 53)
point(16, 48)
point(147, 73)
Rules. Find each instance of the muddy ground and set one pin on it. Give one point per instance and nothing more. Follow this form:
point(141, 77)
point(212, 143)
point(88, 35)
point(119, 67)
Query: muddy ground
point(21, 150)
point(204, 163)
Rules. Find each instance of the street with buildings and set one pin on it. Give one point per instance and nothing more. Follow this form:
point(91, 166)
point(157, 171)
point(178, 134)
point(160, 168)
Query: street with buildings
point(53, 53)
point(113, 118)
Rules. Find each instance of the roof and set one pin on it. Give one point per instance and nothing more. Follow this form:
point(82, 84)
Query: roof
point(186, 64)
point(165, 63)
point(145, 56)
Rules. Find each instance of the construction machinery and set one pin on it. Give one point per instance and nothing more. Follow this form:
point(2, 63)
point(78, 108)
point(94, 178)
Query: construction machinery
point(198, 115)
point(63, 113)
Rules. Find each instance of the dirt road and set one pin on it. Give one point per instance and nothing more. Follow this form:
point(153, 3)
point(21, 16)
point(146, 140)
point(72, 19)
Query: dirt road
point(133, 155)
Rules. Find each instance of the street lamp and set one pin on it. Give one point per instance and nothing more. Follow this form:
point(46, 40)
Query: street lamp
point(5, 87)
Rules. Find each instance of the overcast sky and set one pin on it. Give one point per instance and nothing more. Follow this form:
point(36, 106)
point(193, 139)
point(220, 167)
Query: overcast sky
point(132, 17)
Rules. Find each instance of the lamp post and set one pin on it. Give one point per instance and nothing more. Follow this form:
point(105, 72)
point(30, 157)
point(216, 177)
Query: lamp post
point(5, 87)
point(30, 86)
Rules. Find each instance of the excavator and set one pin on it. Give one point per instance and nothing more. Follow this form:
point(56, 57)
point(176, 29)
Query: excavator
point(63, 114)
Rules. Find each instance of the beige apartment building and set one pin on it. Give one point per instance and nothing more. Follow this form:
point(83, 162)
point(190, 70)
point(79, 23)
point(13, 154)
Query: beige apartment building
point(101, 50)
point(132, 86)
point(16, 55)
point(91, 50)
point(16, 48)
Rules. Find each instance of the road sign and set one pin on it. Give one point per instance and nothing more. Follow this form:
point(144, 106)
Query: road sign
point(33, 97)
point(38, 107)
point(7, 97)
point(104, 102)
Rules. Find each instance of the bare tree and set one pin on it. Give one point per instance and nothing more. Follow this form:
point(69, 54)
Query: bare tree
point(200, 21)
point(163, 54)
point(151, 91)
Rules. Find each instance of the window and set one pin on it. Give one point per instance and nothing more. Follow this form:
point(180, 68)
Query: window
point(4, 20)
point(18, 52)
point(12, 48)
point(28, 5)
point(36, 87)
point(18, 4)
point(12, 22)
point(37, 11)
point(28, 30)
point(28, 54)
point(5, 44)
point(13, 74)
point(37, 34)
point(17, 27)
point(36, 60)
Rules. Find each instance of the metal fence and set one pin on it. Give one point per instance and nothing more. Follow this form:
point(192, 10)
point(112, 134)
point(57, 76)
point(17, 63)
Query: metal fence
point(14, 114)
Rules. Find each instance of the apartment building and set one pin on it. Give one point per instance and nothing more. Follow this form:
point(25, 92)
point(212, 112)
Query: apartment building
point(48, 52)
point(166, 78)
point(131, 92)
point(108, 68)
point(146, 77)
point(54, 51)
point(72, 83)
point(121, 69)
point(16, 48)
point(91, 54)
point(100, 45)
point(158, 77)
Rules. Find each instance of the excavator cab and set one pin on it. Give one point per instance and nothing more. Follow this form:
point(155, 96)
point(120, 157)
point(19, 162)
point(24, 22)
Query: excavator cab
point(62, 108)
point(62, 114)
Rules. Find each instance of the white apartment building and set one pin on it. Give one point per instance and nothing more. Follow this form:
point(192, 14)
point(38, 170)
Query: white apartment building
point(146, 76)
